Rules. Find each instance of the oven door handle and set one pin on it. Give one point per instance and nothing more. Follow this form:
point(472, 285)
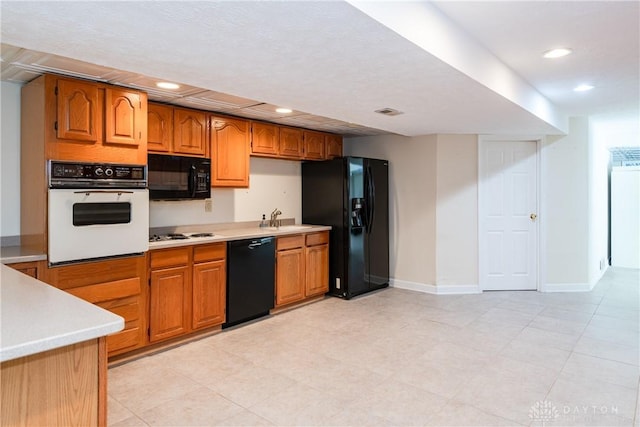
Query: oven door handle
point(87, 192)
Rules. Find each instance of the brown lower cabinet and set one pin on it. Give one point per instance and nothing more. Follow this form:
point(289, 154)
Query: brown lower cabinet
point(302, 267)
point(31, 268)
point(187, 289)
point(117, 285)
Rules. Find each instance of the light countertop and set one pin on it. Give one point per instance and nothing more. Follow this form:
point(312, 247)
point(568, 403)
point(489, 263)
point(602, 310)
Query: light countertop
point(36, 317)
point(17, 253)
point(237, 233)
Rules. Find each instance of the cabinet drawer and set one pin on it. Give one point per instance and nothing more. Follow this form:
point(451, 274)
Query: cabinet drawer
point(321, 238)
point(216, 251)
point(289, 242)
point(107, 291)
point(169, 257)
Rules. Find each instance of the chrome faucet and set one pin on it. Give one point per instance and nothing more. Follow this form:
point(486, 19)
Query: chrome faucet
point(274, 221)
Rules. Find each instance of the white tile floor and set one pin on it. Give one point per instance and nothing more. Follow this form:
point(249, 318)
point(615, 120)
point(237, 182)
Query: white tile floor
point(399, 357)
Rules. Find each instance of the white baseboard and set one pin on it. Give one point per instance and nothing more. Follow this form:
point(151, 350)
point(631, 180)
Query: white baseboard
point(433, 289)
point(566, 287)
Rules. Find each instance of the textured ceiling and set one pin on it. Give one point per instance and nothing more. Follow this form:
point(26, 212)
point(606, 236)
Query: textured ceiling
point(335, 65)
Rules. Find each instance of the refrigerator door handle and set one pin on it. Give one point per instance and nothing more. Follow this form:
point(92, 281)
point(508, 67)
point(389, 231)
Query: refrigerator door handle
point(370, 198)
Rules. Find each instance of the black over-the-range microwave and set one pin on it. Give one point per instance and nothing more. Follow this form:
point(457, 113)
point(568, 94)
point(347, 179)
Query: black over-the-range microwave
point(178, 177)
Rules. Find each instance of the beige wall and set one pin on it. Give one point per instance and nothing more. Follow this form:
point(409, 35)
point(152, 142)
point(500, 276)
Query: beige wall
point(457, 210)
point(10, 159)
point(412, 193)
point(272, 184)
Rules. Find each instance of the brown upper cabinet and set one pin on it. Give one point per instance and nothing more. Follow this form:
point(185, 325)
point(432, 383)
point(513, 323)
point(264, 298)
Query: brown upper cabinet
point(291, 143)
point(264, 139)
point(230, 149)
point(159, 128)
point(85, 121)
point(174, 130)
point(271, 140)
point(333, 146)
point(314, 146)
point(189, 132)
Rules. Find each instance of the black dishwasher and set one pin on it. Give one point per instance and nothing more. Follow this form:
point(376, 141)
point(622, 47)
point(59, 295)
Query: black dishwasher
point(250, 279)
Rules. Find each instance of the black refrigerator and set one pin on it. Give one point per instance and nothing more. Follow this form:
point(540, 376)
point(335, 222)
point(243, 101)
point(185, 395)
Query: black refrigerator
point(351, 194)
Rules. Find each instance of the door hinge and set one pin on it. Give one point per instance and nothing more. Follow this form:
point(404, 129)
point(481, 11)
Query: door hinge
point(140, 135)
point(55, 125)
point(55, 90)
point(149, 332)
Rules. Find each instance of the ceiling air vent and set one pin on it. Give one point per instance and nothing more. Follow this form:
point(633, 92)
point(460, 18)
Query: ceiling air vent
point(388, 112)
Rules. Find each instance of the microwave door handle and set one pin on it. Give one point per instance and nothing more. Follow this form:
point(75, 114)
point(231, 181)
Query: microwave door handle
point(192, 180)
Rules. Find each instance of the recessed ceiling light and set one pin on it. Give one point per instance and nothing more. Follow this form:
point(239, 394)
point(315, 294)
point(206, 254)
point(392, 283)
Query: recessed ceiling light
point(557, 53)
point(167, 85)
point(583, 88)
point(284, 110)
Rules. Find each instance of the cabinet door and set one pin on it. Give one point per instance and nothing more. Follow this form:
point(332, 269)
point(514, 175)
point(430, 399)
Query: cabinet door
point(230, 142)
point(159, 128)
point(78, 111)
point(317, 270)
point(333, 146)
point(168, 303)
point(290, 143)
point(209, 294)
point(189, 132)
point(264, 139)
point(28, 268)
point(289, 276)
point(123, 117)
point(313, 145)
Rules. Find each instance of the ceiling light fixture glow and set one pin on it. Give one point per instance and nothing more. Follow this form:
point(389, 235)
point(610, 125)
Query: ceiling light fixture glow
point(284, 110)
point(583, 88)
point(167, 85)
point(557, 53)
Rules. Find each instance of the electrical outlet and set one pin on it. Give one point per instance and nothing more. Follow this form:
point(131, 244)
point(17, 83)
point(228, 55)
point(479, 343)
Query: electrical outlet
point(208, 205)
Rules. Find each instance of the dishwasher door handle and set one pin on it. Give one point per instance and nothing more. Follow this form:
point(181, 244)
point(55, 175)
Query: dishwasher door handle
point(254, 245)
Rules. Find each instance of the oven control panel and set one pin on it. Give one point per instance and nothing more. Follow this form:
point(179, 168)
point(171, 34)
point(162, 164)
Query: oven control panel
point(92, 175)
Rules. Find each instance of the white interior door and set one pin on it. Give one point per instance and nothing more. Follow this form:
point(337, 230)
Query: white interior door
point(508, 215)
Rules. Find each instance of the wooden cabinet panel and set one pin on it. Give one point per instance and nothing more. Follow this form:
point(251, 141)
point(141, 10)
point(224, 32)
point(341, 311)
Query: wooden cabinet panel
point(29, 268)
point(189, 132)
point(125, 116)
point(264, 139)
point(313, 145)
point(78, 111)
point(290, 143)
point(230, 150)
point(289, 242)
point(115, 285)
point(169, 303)
point(159, 128)
point(289, 276)
point(320, 238)
point(333, 146)
point(169, 257)
point(65, 386)
point(317, 270)
point(211, 252)
point(209, 294)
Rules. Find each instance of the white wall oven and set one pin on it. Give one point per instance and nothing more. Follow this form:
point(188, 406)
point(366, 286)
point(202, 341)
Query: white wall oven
point(96, 211)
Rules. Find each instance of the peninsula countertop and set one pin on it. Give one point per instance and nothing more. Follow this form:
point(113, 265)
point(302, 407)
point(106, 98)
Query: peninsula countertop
point(36, 317)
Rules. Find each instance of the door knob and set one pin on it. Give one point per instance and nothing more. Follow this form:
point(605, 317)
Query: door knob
point(533, 217)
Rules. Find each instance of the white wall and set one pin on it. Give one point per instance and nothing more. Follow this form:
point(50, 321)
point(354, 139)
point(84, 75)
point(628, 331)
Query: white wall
point(564, 181)
point(625, 217)
point(10, 159)
point(412, 209)
point(272, 184)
